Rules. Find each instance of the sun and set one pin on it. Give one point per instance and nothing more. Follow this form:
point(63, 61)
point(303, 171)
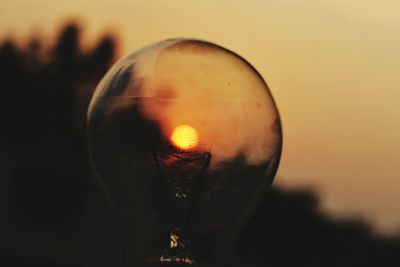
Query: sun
point(185, 137)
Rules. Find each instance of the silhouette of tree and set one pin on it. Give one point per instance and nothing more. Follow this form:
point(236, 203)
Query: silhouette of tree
point(289, 229)
point(46, 181)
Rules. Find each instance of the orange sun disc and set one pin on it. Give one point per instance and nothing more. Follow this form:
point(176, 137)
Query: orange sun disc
point(185, 137)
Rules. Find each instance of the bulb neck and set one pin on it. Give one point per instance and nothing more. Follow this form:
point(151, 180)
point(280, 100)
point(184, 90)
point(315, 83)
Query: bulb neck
point(182, 174)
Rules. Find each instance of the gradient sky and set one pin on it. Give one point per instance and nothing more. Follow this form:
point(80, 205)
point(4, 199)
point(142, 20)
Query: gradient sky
point(332, 67)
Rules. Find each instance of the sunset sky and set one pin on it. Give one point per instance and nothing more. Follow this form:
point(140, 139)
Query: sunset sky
point(332, 66)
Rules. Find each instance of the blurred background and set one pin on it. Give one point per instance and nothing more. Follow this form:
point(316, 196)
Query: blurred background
point(331, 66)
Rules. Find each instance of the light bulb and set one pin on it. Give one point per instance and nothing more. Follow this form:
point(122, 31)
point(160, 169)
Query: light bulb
point(186, 139)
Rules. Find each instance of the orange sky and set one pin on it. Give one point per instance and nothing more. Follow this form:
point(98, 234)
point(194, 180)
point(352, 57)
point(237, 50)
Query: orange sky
point(332, 68)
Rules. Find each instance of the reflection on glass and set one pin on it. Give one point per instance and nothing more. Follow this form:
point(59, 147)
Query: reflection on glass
point(186, 138)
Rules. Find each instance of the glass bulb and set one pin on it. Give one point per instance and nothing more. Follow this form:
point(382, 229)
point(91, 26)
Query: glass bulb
point(186, 139)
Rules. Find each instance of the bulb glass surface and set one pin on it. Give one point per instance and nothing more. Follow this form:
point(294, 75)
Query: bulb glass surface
point(186, 138)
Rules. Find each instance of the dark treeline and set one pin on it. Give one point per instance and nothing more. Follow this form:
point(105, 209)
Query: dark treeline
point(52, 212)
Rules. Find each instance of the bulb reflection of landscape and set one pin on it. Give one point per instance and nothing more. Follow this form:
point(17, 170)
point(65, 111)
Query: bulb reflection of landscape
point(186, 139)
